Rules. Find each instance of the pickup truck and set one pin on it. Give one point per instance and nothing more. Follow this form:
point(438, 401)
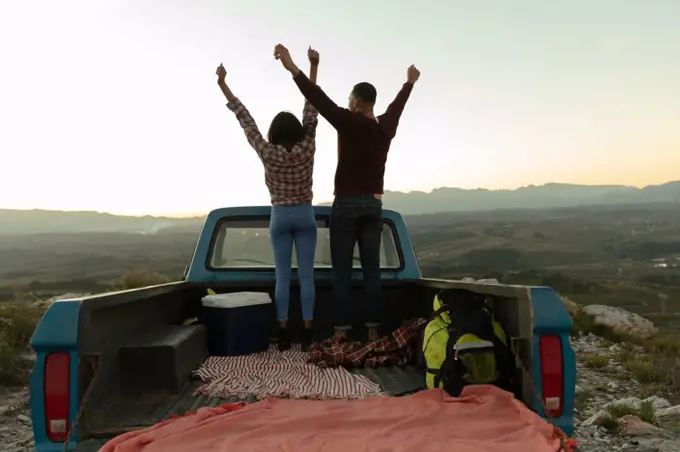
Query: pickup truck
point(79, 387)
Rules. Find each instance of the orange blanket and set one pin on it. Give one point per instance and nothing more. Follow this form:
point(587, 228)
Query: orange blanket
point(483, 419)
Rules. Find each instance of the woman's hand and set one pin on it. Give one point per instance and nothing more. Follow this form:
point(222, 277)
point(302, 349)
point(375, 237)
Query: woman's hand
point(221, 74)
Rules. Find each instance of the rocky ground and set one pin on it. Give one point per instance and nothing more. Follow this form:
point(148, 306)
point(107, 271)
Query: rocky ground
point(16, 434)
point(610, 404)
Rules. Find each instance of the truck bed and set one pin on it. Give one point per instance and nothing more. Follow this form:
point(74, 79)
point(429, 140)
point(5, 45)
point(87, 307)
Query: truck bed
point(108, 322)
point(120, 414)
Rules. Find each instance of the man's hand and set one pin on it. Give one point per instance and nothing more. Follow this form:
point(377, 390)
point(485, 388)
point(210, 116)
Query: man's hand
point(221, 74)
point(313, 56)
point(413, 74)
point(282, 54)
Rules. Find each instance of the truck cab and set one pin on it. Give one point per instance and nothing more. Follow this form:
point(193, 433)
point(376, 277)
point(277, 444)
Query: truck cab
point(79, 387)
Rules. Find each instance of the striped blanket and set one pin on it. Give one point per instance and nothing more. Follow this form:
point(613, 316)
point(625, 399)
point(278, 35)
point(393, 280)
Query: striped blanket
point(279, 374)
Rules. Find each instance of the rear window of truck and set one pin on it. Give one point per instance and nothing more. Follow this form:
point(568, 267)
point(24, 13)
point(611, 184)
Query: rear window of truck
point(245, 243)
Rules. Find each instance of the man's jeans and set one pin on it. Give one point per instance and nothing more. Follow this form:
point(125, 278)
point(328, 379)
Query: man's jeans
point(356, 219)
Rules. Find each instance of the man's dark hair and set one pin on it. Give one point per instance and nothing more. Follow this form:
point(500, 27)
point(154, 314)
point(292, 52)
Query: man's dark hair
point(286, 130)
point(365, 92)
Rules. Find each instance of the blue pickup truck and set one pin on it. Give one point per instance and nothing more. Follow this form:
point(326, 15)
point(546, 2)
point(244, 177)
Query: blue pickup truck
point(83, 391)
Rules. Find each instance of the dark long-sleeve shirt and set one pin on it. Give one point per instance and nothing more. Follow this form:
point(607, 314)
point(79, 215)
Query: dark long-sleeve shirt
point(363, 143)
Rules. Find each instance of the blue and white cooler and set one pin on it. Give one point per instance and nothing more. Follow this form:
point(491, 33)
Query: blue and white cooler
point(237, 323)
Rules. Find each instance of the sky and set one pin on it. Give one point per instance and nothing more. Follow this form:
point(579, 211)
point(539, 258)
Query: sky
point(112, 105)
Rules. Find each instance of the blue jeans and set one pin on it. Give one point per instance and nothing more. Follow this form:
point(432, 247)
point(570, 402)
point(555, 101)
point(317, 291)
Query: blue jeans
point(356, 219)
point(293, 225)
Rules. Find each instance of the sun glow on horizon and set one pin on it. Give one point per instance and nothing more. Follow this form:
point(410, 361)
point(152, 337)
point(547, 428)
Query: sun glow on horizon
point(112, 105)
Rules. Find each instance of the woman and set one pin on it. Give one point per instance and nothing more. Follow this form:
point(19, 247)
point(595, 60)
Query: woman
point(288, 158)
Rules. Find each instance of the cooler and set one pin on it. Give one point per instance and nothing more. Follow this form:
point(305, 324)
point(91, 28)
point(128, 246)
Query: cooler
point(237, 323)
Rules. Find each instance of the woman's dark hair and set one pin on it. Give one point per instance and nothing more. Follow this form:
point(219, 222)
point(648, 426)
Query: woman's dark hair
point(286, 130)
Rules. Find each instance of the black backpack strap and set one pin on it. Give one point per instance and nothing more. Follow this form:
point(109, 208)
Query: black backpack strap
point(455, 384)
point(444, 306)
point(450, 375)
point(505, 360)
point(438, 375)
point(442, 309)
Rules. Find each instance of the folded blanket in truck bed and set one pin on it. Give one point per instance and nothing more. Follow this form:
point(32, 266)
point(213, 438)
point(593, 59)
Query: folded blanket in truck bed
point(391, 350)
point(483, 419)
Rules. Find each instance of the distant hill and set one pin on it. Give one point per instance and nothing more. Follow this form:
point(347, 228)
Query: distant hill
point(54, 221)
point(547, 196)
point(412, 203)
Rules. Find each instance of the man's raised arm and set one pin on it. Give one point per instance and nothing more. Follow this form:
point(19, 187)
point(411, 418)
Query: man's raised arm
point(390, 119)
point(313, 57)
point(336, 115)
point(310, 115)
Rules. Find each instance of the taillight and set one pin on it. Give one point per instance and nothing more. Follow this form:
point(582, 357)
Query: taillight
point(57, 381)
point(551, 374)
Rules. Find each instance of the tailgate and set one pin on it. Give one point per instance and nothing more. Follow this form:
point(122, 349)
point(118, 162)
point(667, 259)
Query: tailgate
point(395, 381)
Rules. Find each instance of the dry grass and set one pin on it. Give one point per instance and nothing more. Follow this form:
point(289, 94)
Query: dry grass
point(582, 399)
point(136, 279)
point(17, 323)
point(658, 363)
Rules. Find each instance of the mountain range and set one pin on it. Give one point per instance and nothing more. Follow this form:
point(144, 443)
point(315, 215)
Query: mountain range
point(552, 195)
point(57, 221)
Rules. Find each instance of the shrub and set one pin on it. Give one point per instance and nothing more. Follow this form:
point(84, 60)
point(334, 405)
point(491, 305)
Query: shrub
point(596, 361)
point(645, 412)
point(17, 323)
point(655, 361)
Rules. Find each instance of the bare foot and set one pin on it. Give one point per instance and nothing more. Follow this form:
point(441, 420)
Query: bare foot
point(340, 334)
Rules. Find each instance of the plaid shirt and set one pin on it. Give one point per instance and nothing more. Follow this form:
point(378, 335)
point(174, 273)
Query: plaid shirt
point(390, 350)
point(288, 174)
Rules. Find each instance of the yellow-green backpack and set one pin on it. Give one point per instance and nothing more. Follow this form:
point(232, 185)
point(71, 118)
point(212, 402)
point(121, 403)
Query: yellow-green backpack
point(464, 344)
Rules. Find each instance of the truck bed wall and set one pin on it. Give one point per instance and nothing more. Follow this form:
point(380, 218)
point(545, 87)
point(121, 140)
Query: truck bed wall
point(109, 321)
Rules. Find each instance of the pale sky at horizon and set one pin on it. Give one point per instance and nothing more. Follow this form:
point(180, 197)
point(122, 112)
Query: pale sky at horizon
point(112, 105)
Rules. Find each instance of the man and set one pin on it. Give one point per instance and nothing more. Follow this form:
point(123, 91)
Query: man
point(363, 143)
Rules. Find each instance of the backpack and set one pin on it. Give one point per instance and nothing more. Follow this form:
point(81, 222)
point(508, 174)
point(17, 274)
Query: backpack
point(464, 344)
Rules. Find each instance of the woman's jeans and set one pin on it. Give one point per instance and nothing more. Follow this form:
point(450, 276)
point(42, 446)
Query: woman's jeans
point(288, 225)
